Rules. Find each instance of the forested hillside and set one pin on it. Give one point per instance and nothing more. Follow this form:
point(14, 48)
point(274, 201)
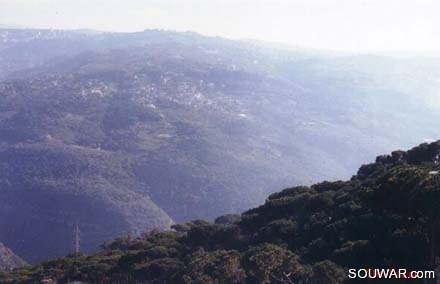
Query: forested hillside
point(385, 216)
point(116, 133)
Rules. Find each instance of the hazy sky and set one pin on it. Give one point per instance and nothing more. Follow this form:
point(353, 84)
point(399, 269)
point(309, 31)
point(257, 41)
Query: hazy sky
point(330, 24)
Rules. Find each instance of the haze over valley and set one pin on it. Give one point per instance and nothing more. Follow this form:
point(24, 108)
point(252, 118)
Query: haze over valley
point(121, 133)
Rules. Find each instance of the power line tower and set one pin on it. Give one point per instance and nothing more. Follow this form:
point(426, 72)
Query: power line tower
point(77, 238)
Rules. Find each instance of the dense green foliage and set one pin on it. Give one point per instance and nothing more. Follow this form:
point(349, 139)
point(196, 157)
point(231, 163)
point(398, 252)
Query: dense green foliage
point(122, 132)
point(385, 216)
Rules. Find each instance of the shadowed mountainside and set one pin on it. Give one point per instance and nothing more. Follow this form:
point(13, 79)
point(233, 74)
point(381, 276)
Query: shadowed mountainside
point(8, 260)
point(119, 133)
point(385, 216)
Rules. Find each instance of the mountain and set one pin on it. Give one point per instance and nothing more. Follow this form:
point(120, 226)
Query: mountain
point(47, 190)
point(8, 260)
point(385, 216)
point(120, 133)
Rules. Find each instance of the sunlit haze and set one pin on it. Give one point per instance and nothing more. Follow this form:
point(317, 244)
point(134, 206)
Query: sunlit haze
point(357, 25)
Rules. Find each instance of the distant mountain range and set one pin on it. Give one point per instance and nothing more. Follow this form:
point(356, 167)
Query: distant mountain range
point(122, 133)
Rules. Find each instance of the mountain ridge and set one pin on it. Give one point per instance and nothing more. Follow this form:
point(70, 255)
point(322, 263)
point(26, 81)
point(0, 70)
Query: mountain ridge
point(8, 260)
point(193, 127)
point(384, 216)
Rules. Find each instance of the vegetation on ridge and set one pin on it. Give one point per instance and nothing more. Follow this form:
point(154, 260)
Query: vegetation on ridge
point(123, 132)
point(385, 216)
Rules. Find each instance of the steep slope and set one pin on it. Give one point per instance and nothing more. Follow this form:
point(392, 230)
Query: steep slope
point(386, 216)
point(138, 127)
point(48, 190)
point(8, 260)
